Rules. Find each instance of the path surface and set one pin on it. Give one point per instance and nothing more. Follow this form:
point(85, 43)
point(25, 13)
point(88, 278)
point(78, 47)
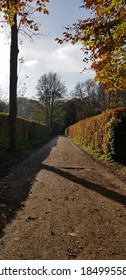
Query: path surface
point(61, 204)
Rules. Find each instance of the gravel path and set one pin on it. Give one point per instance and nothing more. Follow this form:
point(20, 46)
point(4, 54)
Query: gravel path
point(61, 204)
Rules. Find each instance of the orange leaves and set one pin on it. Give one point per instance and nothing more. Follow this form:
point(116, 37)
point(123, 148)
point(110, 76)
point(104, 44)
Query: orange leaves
point(122, 14)
point(36, 27)
point(100, 133)
point(59, 41)
point(45, 11)
point(6, 17)
point(23, 9)
point(41, 6)
point(104, 37)
point(39, 9)
point(73, 41)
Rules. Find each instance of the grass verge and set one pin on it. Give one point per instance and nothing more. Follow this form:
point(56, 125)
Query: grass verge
point(117, 168)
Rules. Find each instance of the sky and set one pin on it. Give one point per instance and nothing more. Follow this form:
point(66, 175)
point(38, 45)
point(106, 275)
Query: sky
point(44, 54)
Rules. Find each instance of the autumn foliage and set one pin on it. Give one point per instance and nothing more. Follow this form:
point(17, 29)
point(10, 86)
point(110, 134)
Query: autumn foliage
point(104, 133)
point(24, 10)
point(103, 37)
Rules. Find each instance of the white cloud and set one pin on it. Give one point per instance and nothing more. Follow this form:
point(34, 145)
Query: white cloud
point(45, 56)
point(65, 58)
point(31, 63)
point(53, 56)
point(69, 58)
point(4, 62)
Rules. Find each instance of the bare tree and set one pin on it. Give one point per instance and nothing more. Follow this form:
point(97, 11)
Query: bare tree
point(87, 99)
point(79, 90)
point(50, 89)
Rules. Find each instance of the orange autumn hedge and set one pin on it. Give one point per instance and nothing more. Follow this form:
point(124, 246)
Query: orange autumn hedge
point(104, 133)
point(27, 132)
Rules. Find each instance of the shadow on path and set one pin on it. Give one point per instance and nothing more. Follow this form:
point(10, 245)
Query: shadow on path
point(89, 185)
point(15, 188)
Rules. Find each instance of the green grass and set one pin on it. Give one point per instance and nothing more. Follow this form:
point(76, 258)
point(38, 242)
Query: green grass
point(123, 171)
point(92, 152)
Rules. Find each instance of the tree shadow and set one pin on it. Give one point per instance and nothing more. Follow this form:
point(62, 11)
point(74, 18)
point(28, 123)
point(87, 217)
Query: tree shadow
point(111, 194)
point(15, 187)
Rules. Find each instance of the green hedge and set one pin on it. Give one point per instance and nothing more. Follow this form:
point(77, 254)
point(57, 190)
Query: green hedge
point(4, 132)
point(27, 132)
point(104, 133)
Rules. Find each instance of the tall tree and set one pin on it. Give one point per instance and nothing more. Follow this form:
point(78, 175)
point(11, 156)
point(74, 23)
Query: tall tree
point(79, 90)
point(50, 89)
point(18, 13)
point(28, 108)
point(103, 38)
point(70, 108)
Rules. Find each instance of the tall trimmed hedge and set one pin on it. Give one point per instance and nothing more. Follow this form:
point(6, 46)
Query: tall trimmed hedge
point(4, 127)
point(27, 132)
point(104, 133)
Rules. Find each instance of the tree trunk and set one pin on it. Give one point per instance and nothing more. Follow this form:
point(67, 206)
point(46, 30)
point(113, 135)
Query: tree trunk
point(51, 114)
point(13, 86)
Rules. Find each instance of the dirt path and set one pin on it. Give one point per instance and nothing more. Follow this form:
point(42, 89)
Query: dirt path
point(61, 204)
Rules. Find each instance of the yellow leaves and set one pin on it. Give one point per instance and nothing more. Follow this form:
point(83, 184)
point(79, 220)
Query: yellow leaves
point(73, 41)
point(41, 6)
point(45, 11)
point(30, 21)
point(36, 27)
point(22, 9)
point(104, 37)
point(39, 9)
point(108, 73)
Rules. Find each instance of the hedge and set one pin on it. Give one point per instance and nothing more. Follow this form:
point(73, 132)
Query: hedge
point(3, 132)
point(104, 133)
point(27, 132)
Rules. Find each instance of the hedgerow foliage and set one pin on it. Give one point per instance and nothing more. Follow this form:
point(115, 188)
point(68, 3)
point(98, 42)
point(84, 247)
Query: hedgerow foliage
point(104, 133)
point(4, 127)
point(27, 132)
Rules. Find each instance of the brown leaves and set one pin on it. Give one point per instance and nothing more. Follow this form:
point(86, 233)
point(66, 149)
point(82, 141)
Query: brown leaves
point(22, 9)
point(103, 36)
